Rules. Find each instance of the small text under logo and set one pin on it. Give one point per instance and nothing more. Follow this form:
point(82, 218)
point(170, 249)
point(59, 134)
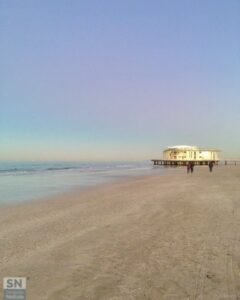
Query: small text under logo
point(14, 288)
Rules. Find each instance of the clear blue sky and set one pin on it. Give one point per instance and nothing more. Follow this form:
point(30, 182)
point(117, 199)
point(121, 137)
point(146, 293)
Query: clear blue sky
point(118, 79)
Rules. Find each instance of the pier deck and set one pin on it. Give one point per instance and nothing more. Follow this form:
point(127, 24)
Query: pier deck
point(163, 162)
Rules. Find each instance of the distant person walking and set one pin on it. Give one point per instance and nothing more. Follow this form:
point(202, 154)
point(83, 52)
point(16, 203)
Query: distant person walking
point(210, 165)
point(188, 167)
point(192, 166)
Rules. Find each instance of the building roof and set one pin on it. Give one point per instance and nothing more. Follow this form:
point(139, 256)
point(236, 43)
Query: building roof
point(183, 147)
point(193, 148)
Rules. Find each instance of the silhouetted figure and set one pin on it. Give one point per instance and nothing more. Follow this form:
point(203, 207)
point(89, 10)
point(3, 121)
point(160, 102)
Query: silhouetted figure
point(192, 166)
point(210, 165)
point(188, 167)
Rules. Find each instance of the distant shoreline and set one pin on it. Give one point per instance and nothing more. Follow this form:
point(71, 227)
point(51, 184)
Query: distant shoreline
point(24, 181)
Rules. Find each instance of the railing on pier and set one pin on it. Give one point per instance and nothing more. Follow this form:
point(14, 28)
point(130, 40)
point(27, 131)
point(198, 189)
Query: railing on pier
point(163, 162)
point(230, 162)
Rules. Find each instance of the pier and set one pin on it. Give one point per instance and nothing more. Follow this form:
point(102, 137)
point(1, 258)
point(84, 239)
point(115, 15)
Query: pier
point(183, 154)
point(164, 162)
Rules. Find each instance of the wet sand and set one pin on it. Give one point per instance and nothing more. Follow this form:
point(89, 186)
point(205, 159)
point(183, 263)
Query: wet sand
point(175, 236)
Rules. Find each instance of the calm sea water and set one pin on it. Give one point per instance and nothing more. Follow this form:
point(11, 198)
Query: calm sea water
point(22, 181)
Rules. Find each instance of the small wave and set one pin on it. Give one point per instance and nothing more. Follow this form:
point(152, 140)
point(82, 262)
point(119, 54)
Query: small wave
point(84, 167)
point(15, 170)
point(33, 170)
point(60, 168)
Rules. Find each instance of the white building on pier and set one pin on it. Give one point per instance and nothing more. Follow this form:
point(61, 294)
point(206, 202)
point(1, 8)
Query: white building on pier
point(190, 153)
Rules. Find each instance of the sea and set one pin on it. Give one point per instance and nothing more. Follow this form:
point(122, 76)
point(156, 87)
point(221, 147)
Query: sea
point(32, 180)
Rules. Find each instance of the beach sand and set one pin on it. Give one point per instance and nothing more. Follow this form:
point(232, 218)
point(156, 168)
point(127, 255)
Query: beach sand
point(175, 236)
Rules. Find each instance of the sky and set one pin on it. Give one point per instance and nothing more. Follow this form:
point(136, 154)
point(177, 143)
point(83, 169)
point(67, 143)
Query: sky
point(118, 80)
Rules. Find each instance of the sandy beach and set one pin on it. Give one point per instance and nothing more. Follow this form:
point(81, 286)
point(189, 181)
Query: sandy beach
point(175, 236)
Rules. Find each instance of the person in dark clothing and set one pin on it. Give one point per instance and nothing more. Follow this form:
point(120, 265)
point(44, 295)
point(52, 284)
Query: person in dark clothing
point(210, 165)
point(192, 166)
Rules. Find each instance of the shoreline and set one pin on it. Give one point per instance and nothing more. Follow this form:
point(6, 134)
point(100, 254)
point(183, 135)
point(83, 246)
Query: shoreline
point(30, 186)
point(170, 236)
point(77, 190)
